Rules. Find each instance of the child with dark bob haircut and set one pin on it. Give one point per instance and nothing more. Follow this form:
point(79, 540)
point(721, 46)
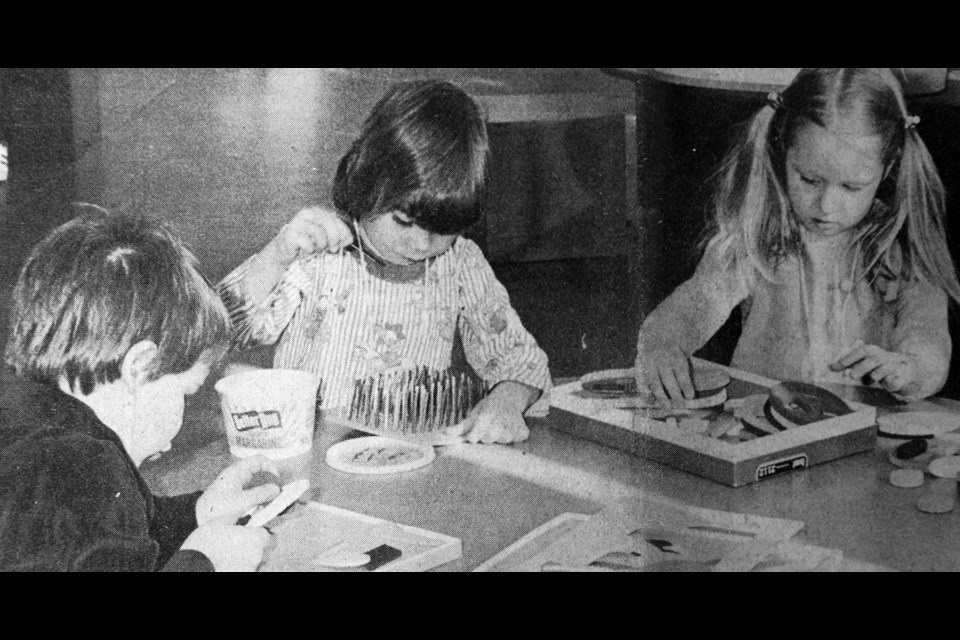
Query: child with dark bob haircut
point(385, 285)
point(112, 326)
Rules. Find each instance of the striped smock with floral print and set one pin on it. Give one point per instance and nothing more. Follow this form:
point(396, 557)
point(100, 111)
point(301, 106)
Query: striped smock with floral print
point(337, 318)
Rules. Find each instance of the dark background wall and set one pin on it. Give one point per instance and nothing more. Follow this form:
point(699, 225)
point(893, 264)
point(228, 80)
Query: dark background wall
point(228, 155)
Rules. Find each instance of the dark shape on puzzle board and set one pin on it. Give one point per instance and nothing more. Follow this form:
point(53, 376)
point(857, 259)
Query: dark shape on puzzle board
point(612, 387)
point(768, 414)
point(795, 404)
point(912, 449)
point(661, 545)
point(381, 555)
point(872, 396)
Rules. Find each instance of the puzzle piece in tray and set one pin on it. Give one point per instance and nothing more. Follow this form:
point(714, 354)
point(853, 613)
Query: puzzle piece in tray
point(724, 424)
point(695, 426)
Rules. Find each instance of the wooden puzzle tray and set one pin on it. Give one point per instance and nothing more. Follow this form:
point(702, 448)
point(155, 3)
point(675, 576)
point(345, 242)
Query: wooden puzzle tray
point(734, 464)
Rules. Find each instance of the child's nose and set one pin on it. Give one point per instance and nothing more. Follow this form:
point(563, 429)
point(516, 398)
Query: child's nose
point(830, 200)
point(422, 240)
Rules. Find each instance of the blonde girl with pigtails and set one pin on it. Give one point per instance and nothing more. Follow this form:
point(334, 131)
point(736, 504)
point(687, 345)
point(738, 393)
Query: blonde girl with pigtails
point(828, 232)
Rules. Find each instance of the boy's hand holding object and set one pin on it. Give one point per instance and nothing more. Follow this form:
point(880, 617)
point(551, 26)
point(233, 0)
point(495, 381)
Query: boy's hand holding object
point(225, 500)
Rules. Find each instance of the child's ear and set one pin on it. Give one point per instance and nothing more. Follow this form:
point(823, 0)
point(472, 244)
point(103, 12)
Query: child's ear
point(135, 368)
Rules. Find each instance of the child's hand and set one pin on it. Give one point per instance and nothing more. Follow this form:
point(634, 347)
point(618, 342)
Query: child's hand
point(229, 547)
point(895, 371)
point(225, 500)
point(312, 230)
point(664, 371)
point(498, 418)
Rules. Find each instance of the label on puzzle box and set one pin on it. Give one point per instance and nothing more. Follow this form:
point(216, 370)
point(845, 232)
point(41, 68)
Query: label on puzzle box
point(774, 467)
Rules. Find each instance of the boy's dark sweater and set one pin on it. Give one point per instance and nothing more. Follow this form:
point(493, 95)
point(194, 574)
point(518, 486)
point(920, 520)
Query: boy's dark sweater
point(71, 498)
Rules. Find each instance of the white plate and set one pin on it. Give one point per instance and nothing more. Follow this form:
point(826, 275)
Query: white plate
point(376, 455)
point(918, 423)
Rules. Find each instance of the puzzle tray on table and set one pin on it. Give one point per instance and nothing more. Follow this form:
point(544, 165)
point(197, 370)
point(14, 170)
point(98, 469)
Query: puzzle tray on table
point(421, 549)
point(735, 465)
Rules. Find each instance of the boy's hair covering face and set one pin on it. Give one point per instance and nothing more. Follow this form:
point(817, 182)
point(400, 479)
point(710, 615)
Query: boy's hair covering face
point(99, 284)
point(422, 151)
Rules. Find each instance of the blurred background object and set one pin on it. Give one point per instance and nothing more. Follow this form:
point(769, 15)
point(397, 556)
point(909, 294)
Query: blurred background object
point(924, 81)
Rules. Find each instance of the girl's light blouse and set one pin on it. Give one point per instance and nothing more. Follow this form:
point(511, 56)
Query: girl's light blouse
point(778, 341)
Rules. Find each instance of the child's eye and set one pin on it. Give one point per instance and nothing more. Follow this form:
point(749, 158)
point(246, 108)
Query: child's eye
point(403, 222)
point(807, 180)
point(852, 188)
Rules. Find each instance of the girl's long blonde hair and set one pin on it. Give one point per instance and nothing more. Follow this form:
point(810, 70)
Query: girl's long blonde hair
point(903, 235)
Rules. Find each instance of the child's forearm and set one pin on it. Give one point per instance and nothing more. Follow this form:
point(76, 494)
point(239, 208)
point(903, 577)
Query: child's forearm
point(312, 231)
point(672, 325)
point(689, 316)
point(695, 310)
point(922, 334)
point(265, 271)
point(261, 296)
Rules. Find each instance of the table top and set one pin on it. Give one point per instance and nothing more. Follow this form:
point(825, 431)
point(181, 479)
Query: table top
point(491, 495)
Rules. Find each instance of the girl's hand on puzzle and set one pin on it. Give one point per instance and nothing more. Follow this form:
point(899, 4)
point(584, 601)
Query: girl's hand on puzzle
point(895, 371)
point(312, 230)
point(498, 418)
point(664, 372)
point(228, 546)
point(225, 500)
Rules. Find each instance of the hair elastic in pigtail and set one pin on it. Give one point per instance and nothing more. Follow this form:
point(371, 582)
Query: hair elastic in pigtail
point(911, 122)
point(775, 100)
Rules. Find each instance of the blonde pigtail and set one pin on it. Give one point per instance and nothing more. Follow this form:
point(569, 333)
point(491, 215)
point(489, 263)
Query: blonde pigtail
point(750, 205)
point(921, 201)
